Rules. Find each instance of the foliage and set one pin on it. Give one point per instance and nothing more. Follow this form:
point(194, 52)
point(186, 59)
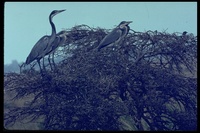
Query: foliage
point(139, 84)
point(13, 67)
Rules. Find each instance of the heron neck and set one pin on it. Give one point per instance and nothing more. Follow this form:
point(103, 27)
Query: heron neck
point(125, 31)
point(53, 33)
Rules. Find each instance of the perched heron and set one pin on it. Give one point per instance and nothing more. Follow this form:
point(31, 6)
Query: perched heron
point(38, 51)
point(116, 35)
point(184, 33)
point(59, 40)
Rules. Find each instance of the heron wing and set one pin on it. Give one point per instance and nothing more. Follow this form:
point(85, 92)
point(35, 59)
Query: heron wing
point(38, 49)
point(63, 38)
point(53, 45)
point(110, 38)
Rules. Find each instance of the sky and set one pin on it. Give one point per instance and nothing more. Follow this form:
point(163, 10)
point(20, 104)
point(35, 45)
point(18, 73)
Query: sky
point(26, 22)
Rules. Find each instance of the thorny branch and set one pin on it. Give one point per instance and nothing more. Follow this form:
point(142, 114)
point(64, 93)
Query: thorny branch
point(145, 78)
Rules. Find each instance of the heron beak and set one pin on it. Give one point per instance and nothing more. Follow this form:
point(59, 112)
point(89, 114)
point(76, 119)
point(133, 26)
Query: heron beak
point(128, 22)
point(61, 11)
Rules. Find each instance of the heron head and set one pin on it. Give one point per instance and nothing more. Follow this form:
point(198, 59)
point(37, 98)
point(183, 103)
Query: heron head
point(55, 12)
point(184, 33)
point(124, 23)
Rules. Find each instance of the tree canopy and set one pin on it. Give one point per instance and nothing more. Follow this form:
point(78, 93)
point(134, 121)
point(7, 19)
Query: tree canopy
point(148, 82)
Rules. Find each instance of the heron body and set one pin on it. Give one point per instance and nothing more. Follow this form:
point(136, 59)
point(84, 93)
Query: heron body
point(116, 35)
point(38, 51)
point(36, 54)
point(59, 40)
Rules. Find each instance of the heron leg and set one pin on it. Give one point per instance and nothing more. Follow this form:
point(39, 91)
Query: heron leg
point(53, 60)
point(39, 66)
point(50, 61)
point(43, 64)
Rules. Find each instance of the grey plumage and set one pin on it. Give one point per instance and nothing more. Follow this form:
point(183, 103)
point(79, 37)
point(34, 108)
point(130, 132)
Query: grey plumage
point(37, 51)
point(115, 35)
point(59, 40)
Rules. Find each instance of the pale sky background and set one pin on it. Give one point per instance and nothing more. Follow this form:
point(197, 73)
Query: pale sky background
point(26, 22)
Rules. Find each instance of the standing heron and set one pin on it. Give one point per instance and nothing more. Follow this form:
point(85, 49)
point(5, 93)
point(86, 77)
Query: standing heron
point(116, 35)
point(59, 40)
point(37, 51)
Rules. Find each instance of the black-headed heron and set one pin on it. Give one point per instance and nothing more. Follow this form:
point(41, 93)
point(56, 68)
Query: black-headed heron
point(116, 35)
point(38, 51)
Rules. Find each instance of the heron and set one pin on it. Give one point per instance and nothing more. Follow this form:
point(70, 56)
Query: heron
point(59, 40)
point(38, 50)
point(116, 35)
point(184, 33)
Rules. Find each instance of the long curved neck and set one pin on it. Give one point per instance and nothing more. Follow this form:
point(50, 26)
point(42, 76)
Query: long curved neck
point(125, 31)
point(53, 34)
